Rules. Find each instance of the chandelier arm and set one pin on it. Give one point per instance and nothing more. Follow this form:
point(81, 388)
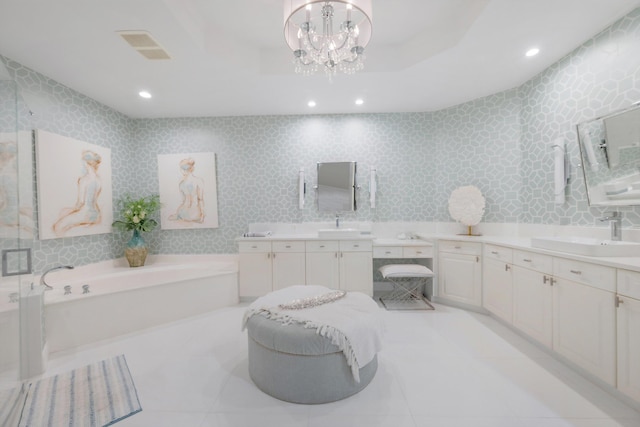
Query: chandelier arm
point(310, 43)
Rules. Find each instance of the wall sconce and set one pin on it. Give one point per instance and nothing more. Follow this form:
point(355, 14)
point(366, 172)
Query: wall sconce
point(302, 188)
point(372, 187)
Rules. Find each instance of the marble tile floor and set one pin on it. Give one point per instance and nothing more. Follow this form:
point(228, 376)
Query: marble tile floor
point(442, 368)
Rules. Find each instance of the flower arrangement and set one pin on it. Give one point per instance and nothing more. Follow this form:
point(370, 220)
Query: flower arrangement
point(136, 213)
point(466, 205)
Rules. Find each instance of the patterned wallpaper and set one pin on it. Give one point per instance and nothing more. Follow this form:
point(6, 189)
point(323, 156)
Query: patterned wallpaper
point(499, 143)
point(600, 76)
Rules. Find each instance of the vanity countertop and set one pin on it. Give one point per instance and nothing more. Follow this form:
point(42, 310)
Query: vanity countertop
point(629, 263)
point(401, 242)
point(306, 236)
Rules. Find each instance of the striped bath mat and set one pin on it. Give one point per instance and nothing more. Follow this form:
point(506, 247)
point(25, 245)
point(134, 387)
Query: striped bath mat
point(100, 394)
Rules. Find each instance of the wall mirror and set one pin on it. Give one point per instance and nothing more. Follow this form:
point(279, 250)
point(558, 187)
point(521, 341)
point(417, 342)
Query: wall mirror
point(610, 151)
point(337, 186)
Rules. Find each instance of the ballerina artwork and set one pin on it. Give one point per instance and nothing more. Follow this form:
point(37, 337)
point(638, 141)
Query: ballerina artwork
point(74, 183)
point(86, 211)
point(188, 190)
point(16, 208)
point(192, 189)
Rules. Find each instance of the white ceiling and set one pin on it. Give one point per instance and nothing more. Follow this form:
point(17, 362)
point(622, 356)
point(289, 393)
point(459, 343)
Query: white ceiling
point(229, 58)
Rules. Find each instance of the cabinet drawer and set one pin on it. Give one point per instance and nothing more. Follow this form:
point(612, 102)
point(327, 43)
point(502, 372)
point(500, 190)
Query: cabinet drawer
point(322, 246)
point(417, 252)
point(629, 283)
point(288, 246)
point(254, 246)
point(387, 252)
point(499, 253)
point(598, 276)
point(534, 261)
point(356, 245)
point(460, 247)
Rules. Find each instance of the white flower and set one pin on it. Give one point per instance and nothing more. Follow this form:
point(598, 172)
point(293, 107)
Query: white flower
point(135, 220)
point(466, 205)
point(143, 214)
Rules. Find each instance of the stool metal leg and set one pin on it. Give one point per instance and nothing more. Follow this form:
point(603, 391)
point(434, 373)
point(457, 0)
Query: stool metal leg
point(406, 295)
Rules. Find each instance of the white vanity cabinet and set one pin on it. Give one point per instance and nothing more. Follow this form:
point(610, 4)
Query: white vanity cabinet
point(323, 263)
point(584, 316)
point(497, 281)
point(532, 295)
point(254, 269)
point(628, 333)
point(269, 265)
point(356, 266)
point(288, 258)
point(460, 272)
point(340, 264)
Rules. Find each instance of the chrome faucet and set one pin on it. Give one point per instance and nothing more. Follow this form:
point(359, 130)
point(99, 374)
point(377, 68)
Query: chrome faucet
point(615, 218)
point(59, 267)
point(337, 221)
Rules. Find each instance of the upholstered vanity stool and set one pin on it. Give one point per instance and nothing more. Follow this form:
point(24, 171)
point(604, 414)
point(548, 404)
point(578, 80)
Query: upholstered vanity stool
point(408, 283)
point(291, 355)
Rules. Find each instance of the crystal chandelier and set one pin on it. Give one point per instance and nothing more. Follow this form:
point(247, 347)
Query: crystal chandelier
point(330, 35)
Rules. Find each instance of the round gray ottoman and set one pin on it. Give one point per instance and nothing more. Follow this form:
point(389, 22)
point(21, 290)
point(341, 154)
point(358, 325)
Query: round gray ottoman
point(295, 364)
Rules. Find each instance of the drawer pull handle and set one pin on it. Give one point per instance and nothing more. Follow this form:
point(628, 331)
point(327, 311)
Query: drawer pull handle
point(546, 279)
point(526, 260)
point(356, 246)
point(387, 252)
point(288, 246)
point(506, 267)
point(322, 246)
point(254, 247)
point(494, 252)
point(457, 247)
point(578, 272)
point(419, 252)
point(619, 301)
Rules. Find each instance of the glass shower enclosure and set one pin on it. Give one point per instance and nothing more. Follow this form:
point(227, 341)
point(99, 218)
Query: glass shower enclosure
point(16, 228)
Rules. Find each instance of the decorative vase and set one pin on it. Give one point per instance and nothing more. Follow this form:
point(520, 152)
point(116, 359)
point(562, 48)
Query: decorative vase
point(136, 251)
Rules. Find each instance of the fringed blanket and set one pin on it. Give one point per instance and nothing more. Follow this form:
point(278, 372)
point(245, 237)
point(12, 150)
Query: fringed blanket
point(352, 323)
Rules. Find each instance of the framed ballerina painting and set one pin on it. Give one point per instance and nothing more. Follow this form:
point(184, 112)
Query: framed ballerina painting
point(188, 193)
point(74, 187)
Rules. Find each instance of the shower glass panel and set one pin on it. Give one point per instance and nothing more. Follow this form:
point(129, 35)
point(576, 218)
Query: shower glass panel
point(16, 223)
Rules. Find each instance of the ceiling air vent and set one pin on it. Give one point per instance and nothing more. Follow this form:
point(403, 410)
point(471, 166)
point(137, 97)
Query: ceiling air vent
point(144, 43)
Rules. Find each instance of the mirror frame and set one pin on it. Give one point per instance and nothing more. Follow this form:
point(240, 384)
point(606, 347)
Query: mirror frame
point(608, 184)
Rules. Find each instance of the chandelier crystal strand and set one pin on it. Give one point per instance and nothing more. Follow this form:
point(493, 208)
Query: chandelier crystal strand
point(331, 35)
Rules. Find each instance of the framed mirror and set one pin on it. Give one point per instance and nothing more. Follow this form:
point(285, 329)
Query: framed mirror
point(336, 186)
point(610, 152)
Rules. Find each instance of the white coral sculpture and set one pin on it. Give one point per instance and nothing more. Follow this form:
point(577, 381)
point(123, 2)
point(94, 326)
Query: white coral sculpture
point(466, 205)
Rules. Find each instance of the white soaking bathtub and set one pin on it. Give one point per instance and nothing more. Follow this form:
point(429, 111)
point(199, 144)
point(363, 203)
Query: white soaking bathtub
point(122, 300)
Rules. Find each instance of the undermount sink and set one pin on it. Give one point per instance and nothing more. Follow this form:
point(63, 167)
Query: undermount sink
point(587, 246)
point(338, 233)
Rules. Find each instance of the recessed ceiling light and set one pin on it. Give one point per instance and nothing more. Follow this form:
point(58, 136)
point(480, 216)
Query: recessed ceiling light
point(311, 104)
point(144, 94)
point(359, 101)
point(533, 51)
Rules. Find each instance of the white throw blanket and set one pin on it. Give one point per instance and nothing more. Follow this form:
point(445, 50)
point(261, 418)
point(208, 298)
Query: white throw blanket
point(352, 323)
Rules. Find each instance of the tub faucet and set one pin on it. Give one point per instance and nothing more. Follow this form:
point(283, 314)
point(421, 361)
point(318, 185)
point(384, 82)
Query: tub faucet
point(615, 218)
point(59, 267)
point(337, 221)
